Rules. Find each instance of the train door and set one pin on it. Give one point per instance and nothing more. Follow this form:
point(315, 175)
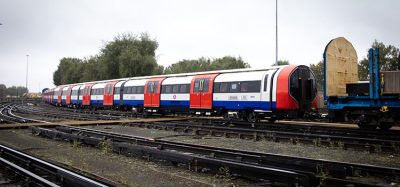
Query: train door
point(59, 95)
point(68, 97)
point(121, 95)
point(86, 94)
point(109, 94)
point(152, 91)
point(201, 91)
point(267, 98)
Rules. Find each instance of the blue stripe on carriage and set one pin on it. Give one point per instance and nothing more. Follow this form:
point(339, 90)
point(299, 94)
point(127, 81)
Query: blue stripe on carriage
point(174, 103)
point(96, 102)
point(240, 105)
point(132, 102)
point(76, 102)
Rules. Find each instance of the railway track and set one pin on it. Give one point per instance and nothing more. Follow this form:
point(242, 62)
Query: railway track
point(7, 115)
point(33, 171)
point(358, 140)
point(252, 165)
point(56, 114)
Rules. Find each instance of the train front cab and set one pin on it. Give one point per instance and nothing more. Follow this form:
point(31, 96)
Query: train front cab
point(296, 92)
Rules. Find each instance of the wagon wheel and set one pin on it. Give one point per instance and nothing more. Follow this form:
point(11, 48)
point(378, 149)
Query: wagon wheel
point(251, 117)
point(366, 123)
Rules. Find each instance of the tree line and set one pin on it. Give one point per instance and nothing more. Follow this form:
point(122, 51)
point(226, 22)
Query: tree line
point(13, 91)
point(131, 56)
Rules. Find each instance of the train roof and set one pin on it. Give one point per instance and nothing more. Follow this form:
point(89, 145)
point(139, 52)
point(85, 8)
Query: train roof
point(185, 74)
point(242, 76)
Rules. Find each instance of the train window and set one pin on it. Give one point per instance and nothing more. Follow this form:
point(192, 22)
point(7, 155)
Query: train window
point(149, 87)
point(175, 88)
point(196, 85)
point(163, 89)
point(134, 89)
point(140, 90)
point(185, 88)
point(234, 87)
point(155, 87)
point(182, 88)
point(266, 82)
point(117, 90)
point(205, 85)
point(244, 87)
point(252, 86)
point(216, 87)
point(294, 84)
point(108, 89)
point(223, 87)
point(168, 89)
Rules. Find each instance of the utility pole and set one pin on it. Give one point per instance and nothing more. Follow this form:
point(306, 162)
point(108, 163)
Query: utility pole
point(276, 32)
point(26, 82)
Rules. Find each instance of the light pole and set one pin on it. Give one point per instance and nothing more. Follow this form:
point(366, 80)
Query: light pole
point(26, 82)
point(276, 32)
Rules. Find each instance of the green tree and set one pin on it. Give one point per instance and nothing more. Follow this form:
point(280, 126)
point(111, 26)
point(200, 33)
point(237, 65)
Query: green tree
point(16, 91)
point(281, 62)
point(388, 57)
point(3, 91)
point(318, 70)
point(206, 64)
point(66, 72)
point(90, 70)
point(129, 56)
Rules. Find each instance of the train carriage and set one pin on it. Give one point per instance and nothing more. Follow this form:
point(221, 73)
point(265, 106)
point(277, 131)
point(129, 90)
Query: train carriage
point(239, 91)
point(175, 93)
point(75, 94)
point(66, 95)
point(132, 94)
point(97, 95)
point(56, 93)
point(118, 93)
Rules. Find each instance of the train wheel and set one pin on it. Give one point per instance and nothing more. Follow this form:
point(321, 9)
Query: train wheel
point(251, 117)
point(272, 120)
point(385, 126)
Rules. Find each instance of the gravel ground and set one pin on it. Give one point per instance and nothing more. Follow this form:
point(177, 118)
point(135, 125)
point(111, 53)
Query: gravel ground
point(309, 151)
point(125, 171)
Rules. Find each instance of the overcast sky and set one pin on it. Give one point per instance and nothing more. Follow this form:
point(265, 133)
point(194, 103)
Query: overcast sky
point(49, 30)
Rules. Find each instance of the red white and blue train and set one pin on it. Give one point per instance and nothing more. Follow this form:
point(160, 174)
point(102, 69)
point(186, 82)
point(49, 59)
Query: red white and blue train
point(276, 92)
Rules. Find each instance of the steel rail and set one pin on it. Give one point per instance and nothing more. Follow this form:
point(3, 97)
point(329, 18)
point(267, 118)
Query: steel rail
point(65, 177)
point(345, 140)
point(338, 171)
